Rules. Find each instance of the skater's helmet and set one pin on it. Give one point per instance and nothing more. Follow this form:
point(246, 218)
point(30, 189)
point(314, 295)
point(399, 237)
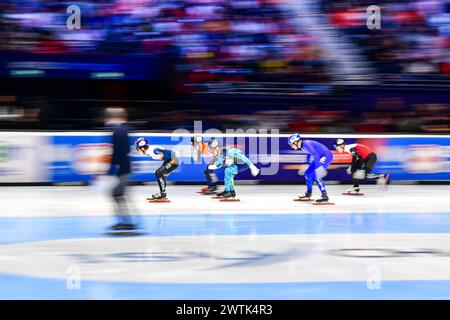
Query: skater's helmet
point(294, 138)
point(141, 142)
point(213, 144)
point(339, 142)
point(196, 140)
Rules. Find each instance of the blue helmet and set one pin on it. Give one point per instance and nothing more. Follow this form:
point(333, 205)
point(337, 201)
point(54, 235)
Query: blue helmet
point(293, 138)
point(141, 142)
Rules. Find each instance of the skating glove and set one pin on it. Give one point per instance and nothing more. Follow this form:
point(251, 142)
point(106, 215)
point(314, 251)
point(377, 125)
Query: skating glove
point(302, 170)
point(349, 170)
point(254, 170)
point(212, 167)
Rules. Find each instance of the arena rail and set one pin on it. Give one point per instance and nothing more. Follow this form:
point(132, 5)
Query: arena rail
point(76, 157)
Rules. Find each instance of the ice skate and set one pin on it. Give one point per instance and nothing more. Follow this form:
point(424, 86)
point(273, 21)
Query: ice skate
point(159, 197)
point(210, 191)
point(123, 226)
point(203, 190)
point(304, 197)
point(384, 180)
point(219, 195)
point(229, 196)
point(324, 200)
point(124, 229)
point(355, 191)
point(387, 179)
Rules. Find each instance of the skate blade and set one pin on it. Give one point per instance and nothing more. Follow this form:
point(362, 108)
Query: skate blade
point(352, 194)
point(203, 189)
point(124, 233)
point(158, 200)
point(229, 200)
point(303, 200)
point(323, 203)
point(216, 197)
point(200, 192)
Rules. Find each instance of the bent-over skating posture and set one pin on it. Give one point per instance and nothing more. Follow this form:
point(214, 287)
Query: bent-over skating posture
point(201, 149)
point(363, 162)
point(319, 158)
point(234, 161)
point(170, 163)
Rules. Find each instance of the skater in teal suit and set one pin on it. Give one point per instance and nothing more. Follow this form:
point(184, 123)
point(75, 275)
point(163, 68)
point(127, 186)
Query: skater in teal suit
point(234, 161)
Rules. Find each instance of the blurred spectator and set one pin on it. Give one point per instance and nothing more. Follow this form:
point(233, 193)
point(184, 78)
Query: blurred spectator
point(219, 40)
point(413, 38)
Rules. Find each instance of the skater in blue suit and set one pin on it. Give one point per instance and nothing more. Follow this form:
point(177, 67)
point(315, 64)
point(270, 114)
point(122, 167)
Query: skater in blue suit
point(234, 161)
point(319, 158)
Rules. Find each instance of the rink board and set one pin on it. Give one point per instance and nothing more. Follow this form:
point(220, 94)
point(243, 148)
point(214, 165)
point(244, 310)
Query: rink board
point(78, 156)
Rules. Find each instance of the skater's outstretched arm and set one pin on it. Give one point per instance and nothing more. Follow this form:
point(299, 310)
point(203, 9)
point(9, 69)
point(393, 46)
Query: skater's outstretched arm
point(238, 154)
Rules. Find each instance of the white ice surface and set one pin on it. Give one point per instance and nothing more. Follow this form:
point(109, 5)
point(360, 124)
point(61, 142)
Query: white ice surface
point(84, 201)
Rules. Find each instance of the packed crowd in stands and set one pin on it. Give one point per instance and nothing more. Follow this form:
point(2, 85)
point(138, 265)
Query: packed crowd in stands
point(237, 41)
point(208, 40)
point(414, 37)
point(233, 40)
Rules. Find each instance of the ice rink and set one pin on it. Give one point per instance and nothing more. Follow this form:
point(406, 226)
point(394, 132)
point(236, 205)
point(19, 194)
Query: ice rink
point(391, 243)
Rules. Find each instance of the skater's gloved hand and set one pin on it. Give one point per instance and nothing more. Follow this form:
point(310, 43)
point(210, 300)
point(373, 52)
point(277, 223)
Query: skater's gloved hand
point(212, 167)
point(254, 170)
point(349, 170)
point(302, 170)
